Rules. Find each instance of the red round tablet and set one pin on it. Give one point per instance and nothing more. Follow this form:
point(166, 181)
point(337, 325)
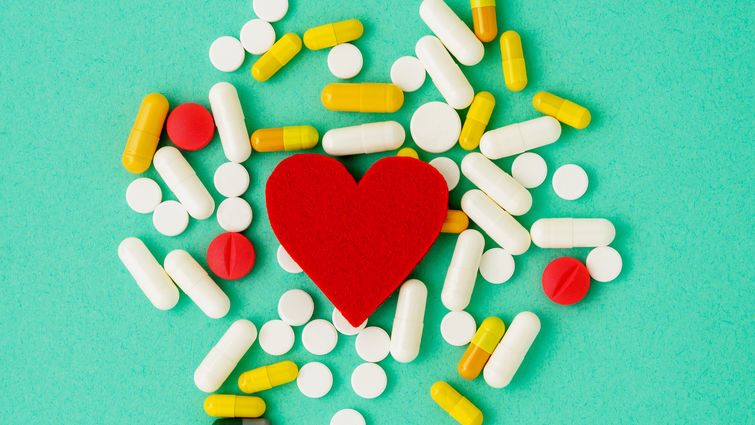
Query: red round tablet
point(230, 256)
point(190, 126)
point(566, 281)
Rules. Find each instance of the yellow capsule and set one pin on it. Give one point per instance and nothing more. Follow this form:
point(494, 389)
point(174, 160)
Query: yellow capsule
point(266, 377)
point(411, 153)
point(479, 350)
point(455, 404)
point(567, 112)
point(234, 406)
point(362, 97)
point(273, 60)
point(476, 121)
point(145, 134)
point(292, 138)
point(483, 18)
point(514, 70)
point(456, 222)
point(329, 35)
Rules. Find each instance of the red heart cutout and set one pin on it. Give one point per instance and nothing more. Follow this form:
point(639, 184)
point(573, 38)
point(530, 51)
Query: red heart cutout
point(357, 242)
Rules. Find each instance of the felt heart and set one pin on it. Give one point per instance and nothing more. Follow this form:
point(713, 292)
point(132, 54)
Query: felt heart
point(357, 242)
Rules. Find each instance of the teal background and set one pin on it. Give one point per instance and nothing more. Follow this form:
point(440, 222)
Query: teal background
point(669, 155)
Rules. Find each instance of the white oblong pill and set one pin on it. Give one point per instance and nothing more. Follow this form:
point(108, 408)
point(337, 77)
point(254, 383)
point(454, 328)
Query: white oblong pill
point(458, 328)
point(319, 337)
point(369, 380)
point(343, 326)
point(529, 169)
point(143, 195)
point(604, 264)
point(462, 271)
point(170, 218)
point(183, 182)
point(257, 36)
point(347, 417)
point(148, 273)
point(570, 182)
point(345, 61)
point(496, 183)
point(286, 262)
point(229, 119)
point(445, 73)
point(270, 10)
point(435, 127)
point(197, 284)
point(496, 222)
point(276, 337)
point(572, 232)
point(373, 344)
point(295, 307)
point(409, 321)
point(226, 54)
point(509, 353)
point(365, 138)
point(496, 265)
point(314, 380)
point(516, 138)
point(448, 169)
point(225, 355)
point(408, 73)
point(234, 215)
point(231, 179)
point(452, 31)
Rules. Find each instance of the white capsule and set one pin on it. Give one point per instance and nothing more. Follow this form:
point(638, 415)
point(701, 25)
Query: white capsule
point(452, 31)
point(229, 118)
point(183, 182)
point(445, 73)
point(408, 323)
point(572, 232)
point(197, 284)
point(496, 222)
point(225, 355)
point(148, 273)
point(516, 138)
point(496, 183)
point(365, 138)
point(462, 272)
point(510, 352)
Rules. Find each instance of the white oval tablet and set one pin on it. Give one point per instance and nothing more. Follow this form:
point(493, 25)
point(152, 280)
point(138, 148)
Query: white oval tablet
point(343, 326)
point(448, 169)
point(435, 127)
point(143, 195)
point(234, 215)
point(347, 417)
point(226, 54)
point(257, 36)
point(570, 182)
point(276, 337)
point(286, 262)
point(529, 169)
point(369, 380)
point(231, 179)
point(604, 263)
point(408, 73)
point(497, 265)
point(270, 10)
point(373, 344)
point(345, 61)
point(314, 380)
point(295, 307)
point(457, 328)
point(319, 337)
point(170, 218)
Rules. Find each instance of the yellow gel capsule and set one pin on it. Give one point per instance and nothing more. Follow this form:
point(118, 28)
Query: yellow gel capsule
point(266, 377)
point(331, 34)
point(362, 97)
point(411, 153)
point(145, 134)
point(479, 350)
point(476, 121)
point(455, 404)
point(567, 112)
point(514, 71)
point(456, 222)
point(234, 406)
point(273, 60)
point(483, 18)
point(285, 138)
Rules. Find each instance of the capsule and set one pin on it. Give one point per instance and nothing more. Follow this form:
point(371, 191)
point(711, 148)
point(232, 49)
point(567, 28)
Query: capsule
point(476, 121)
point(408, 152)
point(496, 222)
point(234, 406)
point(266, 377)
point(484, 20)
point(452, 31)
point(229, 118)
point(508, 193)
point(329, 35)
point(274, 59)
point(225, 355)
point(445, 73)
point(572, 232)
point(362, 97)
point(239, 421)
point(148, 273)
point(408, 323)
point(455, 404)
point(365, 138)
point(292, 138)
point(197, 284)
point(516, 138)
point(508, 355)
point(462, 271)
point(563, 110)
point(479, 350)
point(183, 182)
point(514, 71)
point(456, 222)
point(145, 134)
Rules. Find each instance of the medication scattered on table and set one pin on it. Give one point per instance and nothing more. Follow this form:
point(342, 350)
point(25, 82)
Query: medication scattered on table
point(257, 36)
point(435, 127)
point(566, 281)
point(197, 284)
point(225, 355)
point(148, 273)
point(292, 138)
point(362, 97)
point(227, 54)
point(462, 271)
point(276, 338)
point(529, 169)
point(408, 322)
point(183, 182)
point(444, 72)
point(570, 182)
point(408, 73)
point(496, 222)
point(369, 380)
point(408, 152)
point(234, 406)
point(190, 126)
point(230, 256)
point(457, 328)
point(456, 222)
point(496, 183)
point(143, 195)
point(514, 69)
point(510, 352)
point(286, 262)
point(516, 138)
point(295, 307)
point(229, 118)
point(343, 326)
point(477, 120)
point(345, 61)
point(234, 215)
point(481, 347)
point(274, 59)
point(145, 134)
point(266, 377)
point(496, 265)
point(231, 179)
point(329, 35)
point(373, 344)
point(483, 20)
point(347, 417)
point(563, 110)
point(604, 263)
point(270, 10)
point(452, 31)
point(366, 138)
point(170, 218)
point(314, 380)
point(456, 405)
point(448, 169)
point(319, 337)
point(572, 232)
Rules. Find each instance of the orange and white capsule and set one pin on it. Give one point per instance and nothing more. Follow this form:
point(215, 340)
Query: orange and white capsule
point(483, 18)
point(481, 348)
point(456, 222)
point(292, 138)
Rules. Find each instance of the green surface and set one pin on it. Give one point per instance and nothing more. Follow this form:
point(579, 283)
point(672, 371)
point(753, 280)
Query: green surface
point(669, 156)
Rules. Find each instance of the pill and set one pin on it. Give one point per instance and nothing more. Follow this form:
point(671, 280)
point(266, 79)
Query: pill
point(257, 36)
point(266, 377)
point(234, 406)
point(197, 284)
point(435, 127)
point(276, 338)
point(314, 380)
point(345, 61)
point(225, 355)
point(481, 347)
point(319, 337)
point(457, 328)
point(496, 222)
point(563, 110)
point(270, 10)
point(510, 352)
point(516, 138)
point(143, 195)
point(238, 421)
point(274, 59)
point(145, 134)
point(234, 215)
point(170, 218)
point(231, 179)
point(477, 120)
point(347, 417)
point(230, 256)
point(514, 69)
point(462, 271)
point(183, 182)
point(572, 232)
point(496, 265)
point(496, 183)
point(190, 126)
point(448, 169)
point(373, 344)
point(444, 72)
point(226, 54)
point(291, 138)
point(456, 222)
point(408, 152)
point(408, 73)
point(484, 20)
point(456, 405)
point(408, 322)
point(604, 263)
point(329, 35)
point(452, 31)
point(229, 118)
point(362, 97)
point(148, 273)
point(366, 138)
point(286, 262)
point(295, 307)
point(369, 380)
point(566, 281)
point(570, 182)
point(529, 169)
point(343, 326)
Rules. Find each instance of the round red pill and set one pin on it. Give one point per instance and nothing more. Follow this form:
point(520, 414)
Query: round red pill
point(566, 281)
point(230, 256)
point(190, 126)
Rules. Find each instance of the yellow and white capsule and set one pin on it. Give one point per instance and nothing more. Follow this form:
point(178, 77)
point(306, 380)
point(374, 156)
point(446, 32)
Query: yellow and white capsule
point(273, 60)
point(329, 35)
point(477, 120)
point(293, 138)
point(514, 70)
point(561, 109)
point(144, 136)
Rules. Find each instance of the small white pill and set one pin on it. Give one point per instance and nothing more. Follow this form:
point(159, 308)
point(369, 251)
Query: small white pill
point(458, 328)
point(366, 138)
point(570, 182)
point(225, 355)
point(231, 179)
point(170, 218)
point(234, 215)
point(270, 10)
point(257, 36)
point(373, 344)
point(295, 307)
point(347, 417)
point(509, 353)
point(517, 138)
point(319, 337)
point(408, 73)
point(604, 263)
point(229, 119)
point(497, 265)
point(444, 72)
point(143, 195)
point(452, 31)
point(314, 380)
point(529, 169)
point(197, 283)
point(435, 127)
point(343, 326)
point(572, 232)
point(286, 262)
point(345, 61)
point(148, 273)
point(448, 169)
point(276, 337)
point(226, 54)
point(409, 321)
point(369, 380)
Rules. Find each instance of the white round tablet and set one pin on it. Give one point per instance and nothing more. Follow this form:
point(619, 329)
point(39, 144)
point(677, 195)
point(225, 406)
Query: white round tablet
point(231, 179)
point(604, 263)
point(448, 169)
point(314, 380)
point(170, 218)
point(143, 195)
point(319, 337)
point(408, 73)
point(369, 380)
point(347, 417)
point(270, 10)
point(344, 326)
point(295, 307)
point(570, 182)
point(345, 61)
point(529, 169)
point(234, 215)
point(226, 54)
point(435, 127)
point(373, 344)
point(497, 265)
point(276, 337)
point(458, 328)
point(286, 262)
point(257, 36)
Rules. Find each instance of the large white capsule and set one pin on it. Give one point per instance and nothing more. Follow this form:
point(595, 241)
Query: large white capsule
point(148, 273)
point(496, 183)
point(572, 232)
point(516, 138)
point(229, 118)
point(508, 355)
point(183, 182)
point(452, 31)
point(462, 272)
point(197, 284)
point(225, 355)
point(445, 73)
point(408, 323)
point(497, 223)
point(365, 138)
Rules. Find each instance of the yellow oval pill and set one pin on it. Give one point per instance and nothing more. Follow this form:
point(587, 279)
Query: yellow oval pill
point(362, 97)
point(514, 71)
point(329, 35)
point(273, 60)
point(477, 120)
point(145, 134)
point(456, 405)
point(561, 109)
point(234, 406)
